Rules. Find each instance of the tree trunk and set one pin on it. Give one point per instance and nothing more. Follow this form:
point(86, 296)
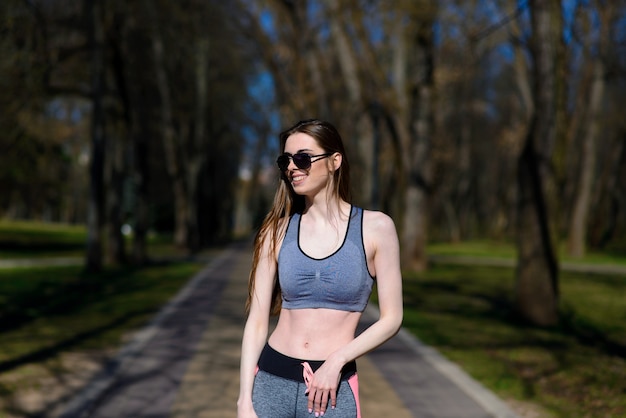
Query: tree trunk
point(362, 140)
point(578, 226)
point(418, 172)
point(140, 170)
point(611, 218)
point(115, 252)
point(537, 269)
point(128, 87)
point(197, 158)
point(172, 154)
point(93, 260)
point(579, 223)
point(116, 167)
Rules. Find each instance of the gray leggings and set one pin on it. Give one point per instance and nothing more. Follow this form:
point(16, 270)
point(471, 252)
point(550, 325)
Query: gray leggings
point(277, 397)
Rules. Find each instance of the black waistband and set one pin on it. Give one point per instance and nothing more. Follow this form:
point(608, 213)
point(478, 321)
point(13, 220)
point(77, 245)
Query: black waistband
point(271, 361)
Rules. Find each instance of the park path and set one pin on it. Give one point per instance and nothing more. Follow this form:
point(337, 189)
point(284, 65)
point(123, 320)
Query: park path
point(185, 363)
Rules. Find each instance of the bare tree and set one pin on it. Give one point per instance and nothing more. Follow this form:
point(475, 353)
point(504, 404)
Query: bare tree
point(93, 261)
point(577, 237)
point(356, 109)
point(170, 138)
point(537, 266)
point(129, 84)
point(413, 128)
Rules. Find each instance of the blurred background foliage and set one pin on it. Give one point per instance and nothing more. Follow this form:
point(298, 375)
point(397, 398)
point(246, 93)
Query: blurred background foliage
point(483, 127)
point(464, 120)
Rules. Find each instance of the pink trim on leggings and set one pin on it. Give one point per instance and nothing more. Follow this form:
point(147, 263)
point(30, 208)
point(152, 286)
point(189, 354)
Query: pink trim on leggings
point(353, 381)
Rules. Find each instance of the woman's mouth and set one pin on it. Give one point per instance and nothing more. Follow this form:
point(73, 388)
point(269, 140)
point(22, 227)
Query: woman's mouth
point(297, 179)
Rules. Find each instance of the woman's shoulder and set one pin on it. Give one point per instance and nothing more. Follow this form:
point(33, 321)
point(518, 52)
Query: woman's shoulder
point(379, 231)
point(377, 221)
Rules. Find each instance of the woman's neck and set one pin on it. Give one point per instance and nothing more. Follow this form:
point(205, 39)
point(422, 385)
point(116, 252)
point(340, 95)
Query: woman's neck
point(326, 209)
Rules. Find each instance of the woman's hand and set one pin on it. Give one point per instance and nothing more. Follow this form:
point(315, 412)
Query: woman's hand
point(322, 387)
point(246, 411)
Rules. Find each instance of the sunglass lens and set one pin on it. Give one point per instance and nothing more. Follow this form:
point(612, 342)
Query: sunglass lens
point(283, 162)
point(302, 161)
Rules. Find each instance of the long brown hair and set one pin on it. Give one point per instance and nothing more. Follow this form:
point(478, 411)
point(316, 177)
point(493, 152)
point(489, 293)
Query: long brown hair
point(287, 202)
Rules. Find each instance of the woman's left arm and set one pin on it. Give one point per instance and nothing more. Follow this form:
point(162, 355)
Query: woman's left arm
point(381, 231)
point(381, 235)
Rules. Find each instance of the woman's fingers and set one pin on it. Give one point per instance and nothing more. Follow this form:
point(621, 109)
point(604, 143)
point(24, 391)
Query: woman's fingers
point(322, 407)
point(333, 399)
point(310, 405)
point(318, 401)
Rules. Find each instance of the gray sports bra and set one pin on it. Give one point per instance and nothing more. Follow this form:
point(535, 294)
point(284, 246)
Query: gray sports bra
point(340, 281)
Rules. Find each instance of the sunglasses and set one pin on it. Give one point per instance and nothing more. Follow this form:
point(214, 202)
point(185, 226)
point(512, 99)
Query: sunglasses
point(301, 160)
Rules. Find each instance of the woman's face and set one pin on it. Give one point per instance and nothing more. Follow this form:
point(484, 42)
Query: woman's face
point(314, 179)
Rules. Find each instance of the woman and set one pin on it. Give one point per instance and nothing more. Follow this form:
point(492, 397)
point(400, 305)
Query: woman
point(315, 260)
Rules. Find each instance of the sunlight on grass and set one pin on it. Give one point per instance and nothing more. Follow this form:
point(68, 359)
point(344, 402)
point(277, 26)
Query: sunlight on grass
point(19, 239)
point(35, 228)
point(507, 250)
point(473, 248)
point(31, 239)
point(577, 369)
point(56, 322)
point(48, 310)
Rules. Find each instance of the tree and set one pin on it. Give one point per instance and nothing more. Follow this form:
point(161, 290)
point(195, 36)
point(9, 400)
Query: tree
point(537, 266)
point(417, 167)
point(93, 261)
point(595, 94)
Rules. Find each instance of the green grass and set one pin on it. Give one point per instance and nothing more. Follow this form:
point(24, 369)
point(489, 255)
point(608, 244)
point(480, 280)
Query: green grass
point(53, 319)
point(19, 239)
point(474, 248)
point(47, 313)
point(32, 239)
point(501, 249)
point(577, 369)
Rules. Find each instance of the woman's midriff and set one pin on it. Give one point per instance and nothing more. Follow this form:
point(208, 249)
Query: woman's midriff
point(313, 334)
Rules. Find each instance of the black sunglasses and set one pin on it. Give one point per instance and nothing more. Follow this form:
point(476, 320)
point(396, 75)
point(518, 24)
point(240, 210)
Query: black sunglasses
point(301, 160)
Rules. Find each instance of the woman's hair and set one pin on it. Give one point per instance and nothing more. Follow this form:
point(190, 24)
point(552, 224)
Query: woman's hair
point(287, 202)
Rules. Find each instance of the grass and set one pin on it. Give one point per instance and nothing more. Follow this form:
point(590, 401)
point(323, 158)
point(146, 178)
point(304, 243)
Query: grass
point(22, 239)
point(32, 239)
point(48, 313)
point(616, 254)
point(46, 310)
point(576, 369)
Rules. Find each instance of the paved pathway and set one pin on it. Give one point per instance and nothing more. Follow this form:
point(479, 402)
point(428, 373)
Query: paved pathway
point(185, 363)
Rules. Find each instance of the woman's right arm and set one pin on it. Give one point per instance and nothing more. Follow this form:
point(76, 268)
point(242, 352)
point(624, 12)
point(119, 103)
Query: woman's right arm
point(256, 328)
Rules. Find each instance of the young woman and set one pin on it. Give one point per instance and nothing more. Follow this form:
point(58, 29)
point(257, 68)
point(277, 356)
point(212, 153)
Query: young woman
point(315, 260)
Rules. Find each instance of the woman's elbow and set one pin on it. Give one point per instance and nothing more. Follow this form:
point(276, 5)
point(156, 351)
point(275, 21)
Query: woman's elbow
point(397, 323)
point(257, 326)
point(393, 321)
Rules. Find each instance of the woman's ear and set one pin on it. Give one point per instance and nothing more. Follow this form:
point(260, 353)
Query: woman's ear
point(336, 159)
